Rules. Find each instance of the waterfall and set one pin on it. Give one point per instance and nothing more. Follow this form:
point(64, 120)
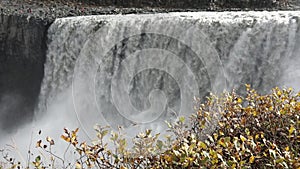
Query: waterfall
point(140, 70)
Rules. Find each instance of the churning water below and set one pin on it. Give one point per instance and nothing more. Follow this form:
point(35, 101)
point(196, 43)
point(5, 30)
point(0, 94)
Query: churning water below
point(140, 70)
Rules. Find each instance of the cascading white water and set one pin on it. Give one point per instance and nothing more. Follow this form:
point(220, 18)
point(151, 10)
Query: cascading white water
point(139, 70)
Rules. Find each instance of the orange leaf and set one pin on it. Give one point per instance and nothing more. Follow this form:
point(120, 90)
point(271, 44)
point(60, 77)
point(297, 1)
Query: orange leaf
point(67, 139)
point(38, 143)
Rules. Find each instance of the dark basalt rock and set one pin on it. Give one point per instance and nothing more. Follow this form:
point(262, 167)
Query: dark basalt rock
point(22, 57)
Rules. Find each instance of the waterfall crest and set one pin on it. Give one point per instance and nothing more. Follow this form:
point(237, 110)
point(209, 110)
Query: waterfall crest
point(140, 70)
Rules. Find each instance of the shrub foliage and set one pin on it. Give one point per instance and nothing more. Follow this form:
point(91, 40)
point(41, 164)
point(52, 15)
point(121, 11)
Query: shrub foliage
point(258, 131)
point(228, 131)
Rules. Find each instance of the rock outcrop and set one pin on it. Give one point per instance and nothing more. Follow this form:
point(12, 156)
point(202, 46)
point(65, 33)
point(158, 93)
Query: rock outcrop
point(22, 57)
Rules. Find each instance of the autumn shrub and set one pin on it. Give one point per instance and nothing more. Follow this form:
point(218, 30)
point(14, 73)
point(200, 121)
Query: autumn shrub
point(227, 131)
point(258, 131)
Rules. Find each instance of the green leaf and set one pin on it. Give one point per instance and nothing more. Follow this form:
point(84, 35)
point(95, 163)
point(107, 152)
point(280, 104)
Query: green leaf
point(104, 133)
point(159, 144)
point(182, 119)
point(38, 158)
point(247, 131)
point(202, 145)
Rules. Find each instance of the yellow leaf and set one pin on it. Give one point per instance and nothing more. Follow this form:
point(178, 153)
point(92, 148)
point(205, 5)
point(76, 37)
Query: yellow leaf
point(222, 142)
point(287, 148)
point(240, 100)
point(168, 158)
point(243, 138)
point(297, 107)
point(215, 136)
point(271, 108)
point(202, 145)
point(122, 167)
point(78, 165)
point(251, 160)
point(292, 129)
point(279, 93)
point(75, 132)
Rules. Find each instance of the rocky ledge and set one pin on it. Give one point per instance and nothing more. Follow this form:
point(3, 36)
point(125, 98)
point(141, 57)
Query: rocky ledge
point(51, 10)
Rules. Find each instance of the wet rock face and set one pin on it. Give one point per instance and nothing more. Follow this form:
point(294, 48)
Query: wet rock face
point(22, 56)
